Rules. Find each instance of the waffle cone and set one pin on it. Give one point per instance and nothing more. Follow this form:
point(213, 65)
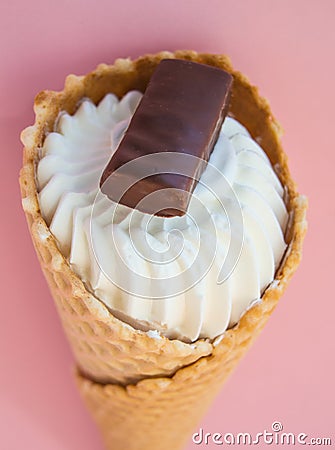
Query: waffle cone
point(144, 392)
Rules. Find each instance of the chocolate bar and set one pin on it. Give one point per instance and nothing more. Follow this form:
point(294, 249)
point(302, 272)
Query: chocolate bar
point(180, 113)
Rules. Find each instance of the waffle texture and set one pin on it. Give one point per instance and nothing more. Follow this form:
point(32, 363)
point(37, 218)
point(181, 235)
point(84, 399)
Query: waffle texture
point(146, 392)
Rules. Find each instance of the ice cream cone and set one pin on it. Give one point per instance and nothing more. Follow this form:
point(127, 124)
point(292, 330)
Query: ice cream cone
point(146, 391)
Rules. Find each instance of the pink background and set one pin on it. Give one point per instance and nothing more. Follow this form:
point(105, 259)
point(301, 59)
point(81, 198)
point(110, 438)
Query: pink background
point(287, 49)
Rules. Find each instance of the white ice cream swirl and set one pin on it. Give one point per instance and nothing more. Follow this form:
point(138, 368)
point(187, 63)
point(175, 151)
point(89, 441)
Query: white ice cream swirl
point(119, 252)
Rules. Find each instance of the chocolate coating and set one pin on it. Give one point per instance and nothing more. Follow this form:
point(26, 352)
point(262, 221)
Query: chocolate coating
point(181, 112)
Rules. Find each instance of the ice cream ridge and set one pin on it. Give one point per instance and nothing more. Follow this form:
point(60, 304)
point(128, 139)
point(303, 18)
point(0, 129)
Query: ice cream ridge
point(167, 225)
